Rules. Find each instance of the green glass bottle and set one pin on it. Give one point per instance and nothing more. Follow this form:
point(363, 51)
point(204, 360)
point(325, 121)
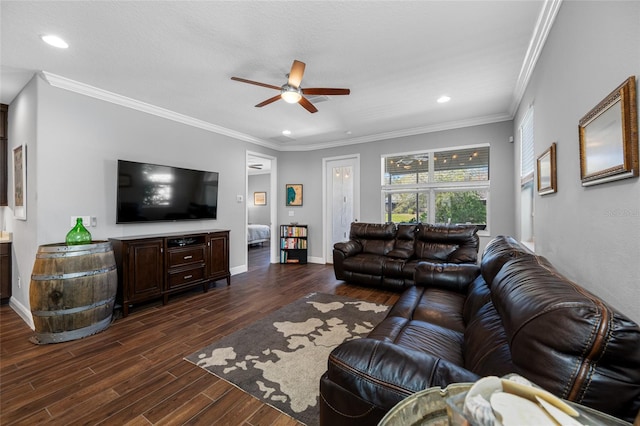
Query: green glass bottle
point(78, 234)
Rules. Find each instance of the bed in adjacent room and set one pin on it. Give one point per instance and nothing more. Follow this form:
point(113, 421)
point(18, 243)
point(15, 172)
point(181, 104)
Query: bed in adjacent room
point(258, 234)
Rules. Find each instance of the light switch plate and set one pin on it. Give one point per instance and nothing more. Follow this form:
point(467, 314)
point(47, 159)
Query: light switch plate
point(86, 221)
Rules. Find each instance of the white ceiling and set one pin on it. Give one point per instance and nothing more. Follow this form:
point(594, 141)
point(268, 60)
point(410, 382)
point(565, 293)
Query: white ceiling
point(397, 57)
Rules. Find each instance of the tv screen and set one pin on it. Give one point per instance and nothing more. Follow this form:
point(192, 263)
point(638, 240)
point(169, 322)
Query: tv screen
point(152, 193)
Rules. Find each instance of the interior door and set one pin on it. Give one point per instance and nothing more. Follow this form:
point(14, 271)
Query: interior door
point(342, 200)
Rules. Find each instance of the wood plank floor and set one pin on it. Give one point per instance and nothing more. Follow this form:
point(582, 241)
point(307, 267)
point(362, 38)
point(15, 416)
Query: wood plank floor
point(133, 373)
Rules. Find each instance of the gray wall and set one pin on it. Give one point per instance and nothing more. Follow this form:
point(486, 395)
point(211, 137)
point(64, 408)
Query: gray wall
point(591, 234)
point(23, 113)
point(306, 168)
point(259, 214)
point(73, 144)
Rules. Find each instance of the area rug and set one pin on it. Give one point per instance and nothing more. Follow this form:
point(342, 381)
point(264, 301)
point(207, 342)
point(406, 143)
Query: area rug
point(280, 358)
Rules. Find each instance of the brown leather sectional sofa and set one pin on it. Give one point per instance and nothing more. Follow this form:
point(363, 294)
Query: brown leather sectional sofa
point(386, 255)
point(520, 315)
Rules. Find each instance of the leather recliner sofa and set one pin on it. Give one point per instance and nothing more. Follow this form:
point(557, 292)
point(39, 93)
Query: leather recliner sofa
point(386, 255)
point(520, 315)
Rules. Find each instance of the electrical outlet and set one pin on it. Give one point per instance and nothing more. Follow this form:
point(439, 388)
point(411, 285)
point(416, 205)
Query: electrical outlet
point(86, 220)
point(19, 283)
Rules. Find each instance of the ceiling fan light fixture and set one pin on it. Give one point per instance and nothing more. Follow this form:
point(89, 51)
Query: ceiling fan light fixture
point(290, 94)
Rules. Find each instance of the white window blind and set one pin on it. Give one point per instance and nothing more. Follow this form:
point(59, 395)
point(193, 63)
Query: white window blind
point(527, 164)
point(527, 160)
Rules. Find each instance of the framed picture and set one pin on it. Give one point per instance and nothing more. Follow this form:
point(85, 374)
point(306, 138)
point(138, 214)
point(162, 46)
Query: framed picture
point(20, 182)
point(609, 137)
point(294, 194)
point(546, 169)
point(260, 198)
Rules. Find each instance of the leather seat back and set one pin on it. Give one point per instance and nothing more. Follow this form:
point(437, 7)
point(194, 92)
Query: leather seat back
point(375, 238)
point(447, 243)
point(567, 340)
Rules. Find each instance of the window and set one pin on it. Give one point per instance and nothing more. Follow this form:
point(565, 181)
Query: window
point(444, 186)
point(527, 164)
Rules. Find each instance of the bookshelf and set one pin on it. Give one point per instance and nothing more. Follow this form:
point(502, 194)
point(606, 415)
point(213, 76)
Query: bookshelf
point(293, 244)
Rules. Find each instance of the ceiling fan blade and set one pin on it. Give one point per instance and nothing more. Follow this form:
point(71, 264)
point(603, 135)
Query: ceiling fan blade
point(268, 101)
point(295, 75)
point(325, 91)
point(307, 105)
point(257, 83)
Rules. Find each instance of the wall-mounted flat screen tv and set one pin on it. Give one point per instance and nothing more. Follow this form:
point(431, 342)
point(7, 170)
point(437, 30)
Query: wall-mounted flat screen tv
point(151, 193)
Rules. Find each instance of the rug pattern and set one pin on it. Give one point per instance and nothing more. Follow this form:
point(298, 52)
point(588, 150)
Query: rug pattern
point(280, 358)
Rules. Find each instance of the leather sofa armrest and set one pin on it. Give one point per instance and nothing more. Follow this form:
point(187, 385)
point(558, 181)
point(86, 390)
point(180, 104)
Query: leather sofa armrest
point(383, 373)
point(348, 248)
point(449, 276)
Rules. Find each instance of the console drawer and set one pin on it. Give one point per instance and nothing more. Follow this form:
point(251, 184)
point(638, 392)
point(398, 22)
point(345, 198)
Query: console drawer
point(186, 256)
point(184, 276)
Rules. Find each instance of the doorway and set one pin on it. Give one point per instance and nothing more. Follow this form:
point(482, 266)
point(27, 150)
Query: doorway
point(341, 183)
point(261, 202)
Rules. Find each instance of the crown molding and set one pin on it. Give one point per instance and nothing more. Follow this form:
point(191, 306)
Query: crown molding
point(540, 33)
point(478, 121)
point(97, 93)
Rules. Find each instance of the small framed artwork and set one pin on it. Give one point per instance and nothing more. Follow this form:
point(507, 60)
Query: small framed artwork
point(294, 194)
point(609, 137)
point(20, 182)
point(260, 198)
point(546, 169)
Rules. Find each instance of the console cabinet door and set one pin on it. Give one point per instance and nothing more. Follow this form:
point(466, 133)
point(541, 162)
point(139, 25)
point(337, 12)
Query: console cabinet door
point(4, 154)
point(218, 264)
point(5, 272)
point(145, 271)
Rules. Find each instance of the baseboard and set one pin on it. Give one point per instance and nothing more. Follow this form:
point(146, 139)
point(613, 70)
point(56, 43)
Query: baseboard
point(238, 270)
point(22, 312)
point(318, 260)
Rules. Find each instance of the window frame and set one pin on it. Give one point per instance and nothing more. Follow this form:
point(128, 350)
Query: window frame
point(527, 179)
point(433, 187)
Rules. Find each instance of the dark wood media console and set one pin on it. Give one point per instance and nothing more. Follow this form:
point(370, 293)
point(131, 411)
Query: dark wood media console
point(155, 266)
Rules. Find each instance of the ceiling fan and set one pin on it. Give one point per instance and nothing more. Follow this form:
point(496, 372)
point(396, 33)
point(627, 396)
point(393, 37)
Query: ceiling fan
point(291, 91)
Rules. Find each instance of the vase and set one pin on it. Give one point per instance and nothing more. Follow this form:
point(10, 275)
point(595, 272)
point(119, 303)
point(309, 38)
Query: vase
point(78, 234)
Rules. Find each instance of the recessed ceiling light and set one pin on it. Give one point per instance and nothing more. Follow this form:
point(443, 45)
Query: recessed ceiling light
point(444, 98)
point(54, 41)
point(286, 132)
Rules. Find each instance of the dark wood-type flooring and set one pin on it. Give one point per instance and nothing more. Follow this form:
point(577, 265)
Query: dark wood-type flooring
point(133, 373)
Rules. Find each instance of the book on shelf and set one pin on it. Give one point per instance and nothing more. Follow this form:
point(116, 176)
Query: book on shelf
point(293, 243)
point(293, 231)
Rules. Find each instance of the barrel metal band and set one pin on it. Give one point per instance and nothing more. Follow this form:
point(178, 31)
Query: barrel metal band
point(73, 310)
point(64, 252)
point(73, 274)
point(73, 334)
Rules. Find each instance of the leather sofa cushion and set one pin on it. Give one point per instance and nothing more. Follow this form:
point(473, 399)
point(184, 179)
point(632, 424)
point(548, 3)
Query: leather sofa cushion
point(453, 243)
point(364, 263)
point(584, 350)
point(433, 305)
point(392, 268)
point(449, 276)
point(375, 238)
point(404, 247)
point(499, 251)
point(485, 349)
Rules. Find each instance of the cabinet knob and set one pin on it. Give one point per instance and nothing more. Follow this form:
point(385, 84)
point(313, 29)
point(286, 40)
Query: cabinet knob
point(186, 277)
